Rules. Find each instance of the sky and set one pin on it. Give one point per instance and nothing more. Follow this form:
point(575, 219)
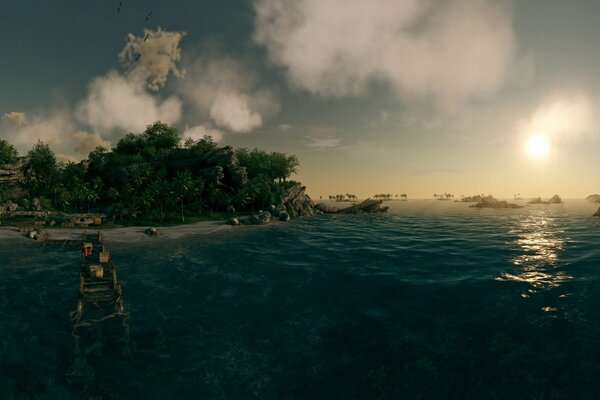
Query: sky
point(373, 96)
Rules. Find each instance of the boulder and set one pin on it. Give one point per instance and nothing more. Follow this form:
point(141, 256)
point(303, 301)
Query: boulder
point(284, 216)
point(297, 202)
point(471, 199)
point(597, 214)
point(537, 200)
point(151, 232)
point(233, 221)
point(264, 217)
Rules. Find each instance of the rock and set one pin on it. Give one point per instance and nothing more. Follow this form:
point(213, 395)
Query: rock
point(597, 214)
point(151, 232)
point(368, 206)
point(593, 198)
point(325, 208)
point(297, 202)
point(284, 216)
point(35, 205)
point(233, 221)
point(553, 200)
point(273, 209)
point(318, 212)
point(471, 199)
point(491, 202)
point(264, 217)
point(32, 234)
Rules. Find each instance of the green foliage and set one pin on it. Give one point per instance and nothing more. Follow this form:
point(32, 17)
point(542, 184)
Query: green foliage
point(153, 176)
point(8, 153)
point(43, 169)
point(274, 166)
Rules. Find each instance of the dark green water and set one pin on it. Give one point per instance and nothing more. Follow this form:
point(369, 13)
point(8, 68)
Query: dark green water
point(432, 301)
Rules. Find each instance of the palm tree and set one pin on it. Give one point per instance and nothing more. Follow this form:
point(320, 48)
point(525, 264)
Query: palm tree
point(183, 183)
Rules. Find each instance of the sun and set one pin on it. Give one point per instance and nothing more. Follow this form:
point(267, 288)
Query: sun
point(538, 146)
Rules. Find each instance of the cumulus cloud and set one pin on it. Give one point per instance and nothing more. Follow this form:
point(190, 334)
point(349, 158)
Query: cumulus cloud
point(225, 90)
point(14, 118)
point(152, 56)
point(198, 132)
point(563, 118)
point(86, 142)
point(118, 102)
point(448, 51)
point(51, 128)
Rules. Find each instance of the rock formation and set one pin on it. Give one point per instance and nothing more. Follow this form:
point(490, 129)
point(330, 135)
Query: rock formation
point(597, 214)
point(491, 202)
point(368, 206)
point(593, 198)
point(296, 202)
point(553, 200)
point(471, 199)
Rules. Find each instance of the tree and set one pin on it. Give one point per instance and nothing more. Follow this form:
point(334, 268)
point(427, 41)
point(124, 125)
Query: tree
point(182, 183)
point(8, 154)
point(43, 168)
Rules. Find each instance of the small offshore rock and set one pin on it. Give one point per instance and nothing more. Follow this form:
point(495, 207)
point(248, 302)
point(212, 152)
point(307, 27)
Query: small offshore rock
point(233, 221)
point(284, 216)
point(325, 208)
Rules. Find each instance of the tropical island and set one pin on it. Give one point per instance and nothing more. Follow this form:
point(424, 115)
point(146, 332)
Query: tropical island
point(154, 178)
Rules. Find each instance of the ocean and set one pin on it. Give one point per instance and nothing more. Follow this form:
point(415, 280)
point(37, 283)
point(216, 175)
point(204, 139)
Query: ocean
point(433, 300)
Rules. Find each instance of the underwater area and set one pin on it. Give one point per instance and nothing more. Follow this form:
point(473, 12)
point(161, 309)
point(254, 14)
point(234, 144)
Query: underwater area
point(431, 300)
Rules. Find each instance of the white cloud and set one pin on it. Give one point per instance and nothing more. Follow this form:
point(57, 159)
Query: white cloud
point(323, 143)
point(198, 132)
point(118, 102)
point(225, 90)
point(14, 118)
point(50, 128)
point(86, 142)
point(449, 51)
point(158, 53)
point(563, 118)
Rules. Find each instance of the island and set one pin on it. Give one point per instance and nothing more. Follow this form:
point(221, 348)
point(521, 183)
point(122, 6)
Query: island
point(491, 202)
point(153, 178)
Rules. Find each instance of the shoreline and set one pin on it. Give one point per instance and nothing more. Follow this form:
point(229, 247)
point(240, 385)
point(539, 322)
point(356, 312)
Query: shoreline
point(122, 233)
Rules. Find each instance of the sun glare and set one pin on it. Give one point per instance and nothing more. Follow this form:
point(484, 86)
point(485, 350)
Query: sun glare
point(538, 147)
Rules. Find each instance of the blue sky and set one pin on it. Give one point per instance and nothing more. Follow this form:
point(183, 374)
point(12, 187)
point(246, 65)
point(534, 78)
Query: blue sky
point(409, 96)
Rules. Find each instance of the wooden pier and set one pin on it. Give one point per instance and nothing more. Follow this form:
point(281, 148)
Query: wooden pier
point(100, 293)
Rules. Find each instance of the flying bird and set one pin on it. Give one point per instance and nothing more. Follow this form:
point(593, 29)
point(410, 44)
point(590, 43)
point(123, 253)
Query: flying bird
point(147, 37)
point(149, 16)
point(119, 7)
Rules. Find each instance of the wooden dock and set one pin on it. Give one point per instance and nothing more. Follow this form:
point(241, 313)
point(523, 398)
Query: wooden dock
point(100, 293)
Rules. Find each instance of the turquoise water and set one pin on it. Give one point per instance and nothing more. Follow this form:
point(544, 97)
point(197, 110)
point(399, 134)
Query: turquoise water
point(431, 301)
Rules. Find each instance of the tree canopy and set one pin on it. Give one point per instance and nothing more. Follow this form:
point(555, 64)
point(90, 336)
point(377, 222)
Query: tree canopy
point(8, 153)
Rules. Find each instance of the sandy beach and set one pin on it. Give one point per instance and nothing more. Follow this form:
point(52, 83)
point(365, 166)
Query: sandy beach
point(125, 234)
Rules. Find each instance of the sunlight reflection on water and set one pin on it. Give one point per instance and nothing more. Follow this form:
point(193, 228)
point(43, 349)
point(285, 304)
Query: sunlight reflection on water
point(539, 243)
